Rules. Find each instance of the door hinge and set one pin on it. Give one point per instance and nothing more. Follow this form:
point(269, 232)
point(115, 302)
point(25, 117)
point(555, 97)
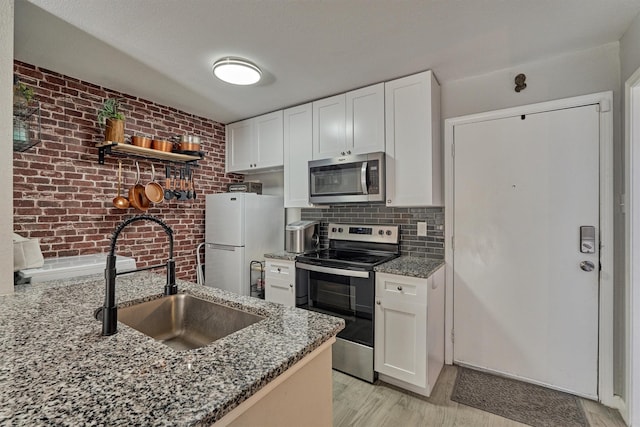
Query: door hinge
point(604, 106)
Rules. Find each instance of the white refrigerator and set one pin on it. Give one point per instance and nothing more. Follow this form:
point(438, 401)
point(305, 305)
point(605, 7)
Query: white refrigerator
point(240, 228)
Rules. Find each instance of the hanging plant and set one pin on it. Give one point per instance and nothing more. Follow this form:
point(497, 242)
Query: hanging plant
point(22, 94)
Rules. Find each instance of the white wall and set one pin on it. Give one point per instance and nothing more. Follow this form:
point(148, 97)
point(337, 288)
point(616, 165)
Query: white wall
point(630, 50)
point(6, 135)
point(577, 73)
point(272, 182)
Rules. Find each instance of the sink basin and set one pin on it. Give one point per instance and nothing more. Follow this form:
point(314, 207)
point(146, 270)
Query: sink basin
point(185, 322)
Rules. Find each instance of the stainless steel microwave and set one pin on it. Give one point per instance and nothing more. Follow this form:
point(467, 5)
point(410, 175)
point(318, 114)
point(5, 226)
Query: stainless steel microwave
point(347, 179)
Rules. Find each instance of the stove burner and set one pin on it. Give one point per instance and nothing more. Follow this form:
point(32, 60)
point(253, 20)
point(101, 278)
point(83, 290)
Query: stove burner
point(356, 247)
point(346, 259)
point(350, 256)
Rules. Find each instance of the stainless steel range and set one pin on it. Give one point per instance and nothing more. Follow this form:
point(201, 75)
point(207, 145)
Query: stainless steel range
point(341, 282)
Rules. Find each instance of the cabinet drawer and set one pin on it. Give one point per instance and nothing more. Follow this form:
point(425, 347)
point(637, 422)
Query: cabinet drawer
point(282, 270)
point(392, 287)
point(280, 291)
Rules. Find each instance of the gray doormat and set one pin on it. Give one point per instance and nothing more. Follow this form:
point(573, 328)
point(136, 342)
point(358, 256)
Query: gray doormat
point(519, 401)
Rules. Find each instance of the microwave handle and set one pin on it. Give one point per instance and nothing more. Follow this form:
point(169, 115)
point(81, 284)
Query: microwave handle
point(363, 178)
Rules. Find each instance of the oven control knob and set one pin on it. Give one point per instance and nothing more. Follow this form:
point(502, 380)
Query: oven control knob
point(381, 232)
point(333, 230)
point(339, 230)
point(388, 232)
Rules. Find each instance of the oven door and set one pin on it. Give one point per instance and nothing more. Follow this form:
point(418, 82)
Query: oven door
point(344, 293)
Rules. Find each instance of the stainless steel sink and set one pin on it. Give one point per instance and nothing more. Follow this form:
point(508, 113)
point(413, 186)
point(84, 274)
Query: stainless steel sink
point(184, 322)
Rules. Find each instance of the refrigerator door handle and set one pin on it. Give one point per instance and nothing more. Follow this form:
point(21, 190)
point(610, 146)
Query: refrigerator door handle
point(221, 247)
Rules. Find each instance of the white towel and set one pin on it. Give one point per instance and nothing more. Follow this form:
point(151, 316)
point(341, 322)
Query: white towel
point(26, 253)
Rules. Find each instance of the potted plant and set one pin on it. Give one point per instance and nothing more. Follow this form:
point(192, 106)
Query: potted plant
point(22, 94)
point(112, 120)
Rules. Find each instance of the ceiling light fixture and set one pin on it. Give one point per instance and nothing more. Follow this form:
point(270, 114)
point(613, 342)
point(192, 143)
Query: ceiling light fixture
point(237, 71)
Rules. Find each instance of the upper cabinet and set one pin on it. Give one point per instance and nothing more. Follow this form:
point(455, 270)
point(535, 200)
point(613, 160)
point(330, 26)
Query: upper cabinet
point(298, 131)
point(349, 123)
point(255, 145)
point(329, 136)
point(365, 119)
point(413, 145)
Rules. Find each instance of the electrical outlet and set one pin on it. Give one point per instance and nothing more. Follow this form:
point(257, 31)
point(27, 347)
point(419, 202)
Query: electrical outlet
point(422, 228)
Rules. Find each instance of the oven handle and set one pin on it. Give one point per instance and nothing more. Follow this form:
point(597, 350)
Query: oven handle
point(329, 270)
point(363, 178)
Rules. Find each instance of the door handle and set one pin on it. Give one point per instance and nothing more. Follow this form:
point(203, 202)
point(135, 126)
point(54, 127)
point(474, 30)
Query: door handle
point(587, 265)
point(363, 178)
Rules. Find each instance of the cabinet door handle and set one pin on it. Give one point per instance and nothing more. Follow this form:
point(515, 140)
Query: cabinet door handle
point(278, 269)
point(378, 302)
point(400, 288)
point(389, 201)
point(342, 152)
point(349, 152)
point(291, 285)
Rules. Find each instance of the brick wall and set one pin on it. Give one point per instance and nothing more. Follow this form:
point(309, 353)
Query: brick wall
point(63, 196)
point(429, 246)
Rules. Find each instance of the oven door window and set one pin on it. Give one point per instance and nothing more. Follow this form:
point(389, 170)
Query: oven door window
point(337, 180)
point(350, 298)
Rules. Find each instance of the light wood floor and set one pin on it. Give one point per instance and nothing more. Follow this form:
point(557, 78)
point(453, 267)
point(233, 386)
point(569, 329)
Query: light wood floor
point(357, 403)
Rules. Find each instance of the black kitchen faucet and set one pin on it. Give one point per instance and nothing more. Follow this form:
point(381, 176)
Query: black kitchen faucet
point(109, 310)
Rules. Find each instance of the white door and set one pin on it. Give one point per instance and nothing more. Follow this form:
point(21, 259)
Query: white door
point(523, 306)
point(225, 269)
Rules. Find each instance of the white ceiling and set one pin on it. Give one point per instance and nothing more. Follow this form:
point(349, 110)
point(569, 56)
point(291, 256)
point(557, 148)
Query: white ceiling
point(163, 50)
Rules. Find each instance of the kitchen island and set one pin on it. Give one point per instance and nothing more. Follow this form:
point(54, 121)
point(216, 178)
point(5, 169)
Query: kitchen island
point(56, 368)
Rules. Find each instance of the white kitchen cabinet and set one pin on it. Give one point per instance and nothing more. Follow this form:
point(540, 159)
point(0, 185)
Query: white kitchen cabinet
point(409, 330)
point(365, 119)
point(280, 281)
point(413, 146)
point(298, 150)
point(329, 123)
point(349, 123)
point(255, 144)
point(239, 149)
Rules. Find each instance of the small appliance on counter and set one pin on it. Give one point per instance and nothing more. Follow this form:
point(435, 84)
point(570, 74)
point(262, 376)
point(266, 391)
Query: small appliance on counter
point(245, 187)
point(301, 237)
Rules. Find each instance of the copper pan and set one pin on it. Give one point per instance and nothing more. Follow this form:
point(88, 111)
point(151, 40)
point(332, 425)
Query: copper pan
point(137, 198)
point(153, 190)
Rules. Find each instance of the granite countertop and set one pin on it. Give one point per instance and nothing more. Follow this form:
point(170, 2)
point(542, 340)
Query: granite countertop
point(411, 266)
point(56, 368)
point(289, 256)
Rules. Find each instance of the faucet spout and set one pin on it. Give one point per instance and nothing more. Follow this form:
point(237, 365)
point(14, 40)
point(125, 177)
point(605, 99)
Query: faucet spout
point(109, 309)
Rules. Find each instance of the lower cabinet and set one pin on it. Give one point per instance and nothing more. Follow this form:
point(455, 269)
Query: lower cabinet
point(280, 282)
point(409, 330)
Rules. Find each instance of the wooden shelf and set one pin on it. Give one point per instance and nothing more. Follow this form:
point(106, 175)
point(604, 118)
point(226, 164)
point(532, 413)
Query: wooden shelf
point(109, 147)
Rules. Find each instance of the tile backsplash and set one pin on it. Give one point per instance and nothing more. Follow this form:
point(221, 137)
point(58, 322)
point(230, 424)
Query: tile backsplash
point(431, 246)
